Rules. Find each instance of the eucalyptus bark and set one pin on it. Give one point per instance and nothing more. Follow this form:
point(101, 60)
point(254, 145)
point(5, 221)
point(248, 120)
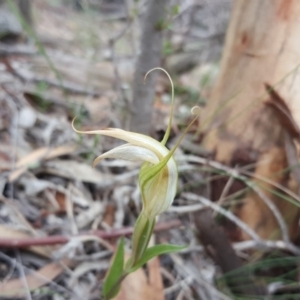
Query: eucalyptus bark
point(262, 46)
point(149, 58)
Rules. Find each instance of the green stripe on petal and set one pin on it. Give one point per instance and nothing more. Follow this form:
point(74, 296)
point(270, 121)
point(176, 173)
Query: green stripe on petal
point(150, 181)
point(153, 170)
point(158, 185)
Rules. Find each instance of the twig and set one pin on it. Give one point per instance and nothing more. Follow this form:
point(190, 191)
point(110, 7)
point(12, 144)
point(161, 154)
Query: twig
point(244, 171)
point(184, 271)
point(183, 285)
point(60, 239)
point(22, 275)
point(186, 208)
point(176, 286)
point(11, 204)
point(259, 243)
point(196, 149)
point(92, 257)
point(271, 182)
point(225, 191)
point(52, 283)
point(239, 246)
point(256, 189)
point(228, 214)
point(274, 209)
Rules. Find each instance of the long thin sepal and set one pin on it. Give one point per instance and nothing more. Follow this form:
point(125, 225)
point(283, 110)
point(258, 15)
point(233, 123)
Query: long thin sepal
point(167, 133)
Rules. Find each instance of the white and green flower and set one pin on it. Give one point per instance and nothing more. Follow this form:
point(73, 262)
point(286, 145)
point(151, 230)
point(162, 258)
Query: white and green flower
point(157, 178)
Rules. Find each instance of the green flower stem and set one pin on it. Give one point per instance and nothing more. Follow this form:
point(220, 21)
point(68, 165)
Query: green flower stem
point(143, 230)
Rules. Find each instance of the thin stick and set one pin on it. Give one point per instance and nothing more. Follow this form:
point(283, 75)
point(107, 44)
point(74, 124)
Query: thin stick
point(52, 283)
point(184, 271)
point(23, 277)
point(258, 242)
point(228, 214)
point(257, 190)
point(225, 191)
point(60, 239)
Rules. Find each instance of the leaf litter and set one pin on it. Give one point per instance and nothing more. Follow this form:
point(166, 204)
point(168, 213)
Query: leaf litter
point(49, 189)
point(48, 185)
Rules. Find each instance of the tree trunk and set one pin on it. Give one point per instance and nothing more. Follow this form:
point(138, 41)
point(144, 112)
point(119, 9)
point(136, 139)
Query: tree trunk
point(262, 46)
point(149, 58)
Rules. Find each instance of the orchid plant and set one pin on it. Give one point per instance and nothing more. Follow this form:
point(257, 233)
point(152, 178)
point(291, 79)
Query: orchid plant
point(158, 178)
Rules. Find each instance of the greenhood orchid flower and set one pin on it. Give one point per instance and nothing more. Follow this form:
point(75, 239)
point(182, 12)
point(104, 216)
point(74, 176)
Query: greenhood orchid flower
point(157, 178)
point(158, 175)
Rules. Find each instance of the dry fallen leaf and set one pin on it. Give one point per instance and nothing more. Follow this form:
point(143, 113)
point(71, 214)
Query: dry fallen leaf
point(96, 209)
point(11, 233)
point(77, 171)
point(137, 286)
point(155, 278)
point(35, 280)
point(36, 156)
point(109, 214)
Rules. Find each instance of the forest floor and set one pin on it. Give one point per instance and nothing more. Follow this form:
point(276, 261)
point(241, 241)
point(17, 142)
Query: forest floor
point(60, 219)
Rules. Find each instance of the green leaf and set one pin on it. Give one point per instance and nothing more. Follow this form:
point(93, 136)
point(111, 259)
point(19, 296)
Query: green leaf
point(155, 251)
point(112, 283)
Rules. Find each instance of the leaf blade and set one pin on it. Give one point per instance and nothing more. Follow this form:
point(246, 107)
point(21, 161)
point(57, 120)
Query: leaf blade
point(156, 251)
point(112, 281)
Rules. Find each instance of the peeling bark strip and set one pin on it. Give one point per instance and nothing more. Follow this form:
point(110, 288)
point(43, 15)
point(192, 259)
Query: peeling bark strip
point(287, 121)
point(149, 58)
point(282, 112)
point(60, 239)
point(261, 46)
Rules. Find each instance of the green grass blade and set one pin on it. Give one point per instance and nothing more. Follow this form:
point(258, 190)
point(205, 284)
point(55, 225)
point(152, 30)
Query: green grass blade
point(113, 280)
